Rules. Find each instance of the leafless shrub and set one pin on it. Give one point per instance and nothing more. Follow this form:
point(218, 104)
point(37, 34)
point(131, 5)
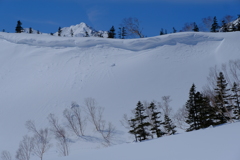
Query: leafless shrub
point(125, 122)
point(5, 155)
point(75, 120)
point(180, 118)
point(132, 26)
point(60, 135)
point(25, 148)
point(207, 22)
point(164, 105)
point(188, 27)
point(41, 139)
point(228, 18)
point(95, 113)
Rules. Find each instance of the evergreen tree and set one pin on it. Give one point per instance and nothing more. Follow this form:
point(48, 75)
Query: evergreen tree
point(30, 30)
point(133, 125)
point(120, 33)
point(236, 100)
point(3, 30)
point(192, 110)
point(224, 26)
point(215, 25)
point(71, 32)
point(156, 122)
point(174, 30)
point(195, 27)
point(161, 32)
point(165, 31)
point(111, 33)
point(59, 31)
point(169, 126)
point(124, 33)
point(86, 34)
point(38, 32)
point(142, 124)
point(19, 27)
point(221, 99)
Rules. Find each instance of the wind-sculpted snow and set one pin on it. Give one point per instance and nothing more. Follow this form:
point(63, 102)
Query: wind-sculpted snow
point(86, 42)
point(43, 74)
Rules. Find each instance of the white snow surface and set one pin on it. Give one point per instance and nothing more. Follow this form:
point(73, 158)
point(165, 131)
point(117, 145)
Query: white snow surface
point(43, 74)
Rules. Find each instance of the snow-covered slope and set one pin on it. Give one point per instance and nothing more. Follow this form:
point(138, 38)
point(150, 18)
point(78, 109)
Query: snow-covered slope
point(42, 74)
point(81, 30)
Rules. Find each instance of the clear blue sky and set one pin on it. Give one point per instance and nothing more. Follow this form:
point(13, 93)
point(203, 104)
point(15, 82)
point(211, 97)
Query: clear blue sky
point(47, 15)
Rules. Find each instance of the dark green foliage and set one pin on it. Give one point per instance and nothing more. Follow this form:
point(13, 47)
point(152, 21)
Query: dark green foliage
point(221, 99)
point(169, 126)
point(86, 34)
point(236, 100)
point(124, 33)
point(71, 32)
point(155, 118)
point(215, 25)
point(19, 27)
point(30, 30)
point(224, 26)
point(142, 125)
point(161, 32)
point(133, 125)
point(192, 111)
point(195, 27)
point(59, 31)
point(174, 30)
point(111, 33)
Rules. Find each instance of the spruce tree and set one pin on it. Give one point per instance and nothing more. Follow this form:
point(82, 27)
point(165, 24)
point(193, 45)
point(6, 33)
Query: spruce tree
point(169, 126)
point(156, 122)
point(111, 33)
point(161, 32)
point(120, 33)
point(19, 27)
point(124, 33)
point(71, 32)
point(30, 30)
point(236, 100)
point(192, 110)
point(215, 25)
point(174, 30)
point(142, 124)
point(59, 31)
point(195, 27)
point(222, 99)
point(133, 126)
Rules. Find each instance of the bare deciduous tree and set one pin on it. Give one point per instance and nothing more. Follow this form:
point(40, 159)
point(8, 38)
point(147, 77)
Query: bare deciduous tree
point(164, 106)
point(132, 26)
point(25, 148)
point(75, 122)
point(207, 22)
point(95, 113)
point(60, 135)
point(188, 27)
point(180, 118)
point(228, 18)
point(41, 139)
point(5, 155)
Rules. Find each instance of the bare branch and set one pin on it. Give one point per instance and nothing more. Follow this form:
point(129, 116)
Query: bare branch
point(5, 155)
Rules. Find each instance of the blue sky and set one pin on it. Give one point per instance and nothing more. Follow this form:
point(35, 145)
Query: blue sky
point(47, 15)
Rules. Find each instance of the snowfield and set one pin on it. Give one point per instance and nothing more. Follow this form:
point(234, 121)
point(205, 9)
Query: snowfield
point(43, 74)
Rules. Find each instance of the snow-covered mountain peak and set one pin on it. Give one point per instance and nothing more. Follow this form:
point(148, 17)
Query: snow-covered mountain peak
point(81, 30)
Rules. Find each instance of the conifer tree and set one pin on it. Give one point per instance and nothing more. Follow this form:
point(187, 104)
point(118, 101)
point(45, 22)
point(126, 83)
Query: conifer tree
point(222, 99)
point(133, 126)
point(124, 33)
point(156, 122)
point(30, 30)
point(169, 126)
point(192, 110)
point(195, 27)
point(3, 30)
point(174, 30)
point(86, 34)
point(142, 124)
point(19, 27)
point(236, 100)
point(111, 33)
point(224, 26)
point(215, 25)
point(161, 32)
point(71, 32)
point(59, 31)
point(120, 33)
